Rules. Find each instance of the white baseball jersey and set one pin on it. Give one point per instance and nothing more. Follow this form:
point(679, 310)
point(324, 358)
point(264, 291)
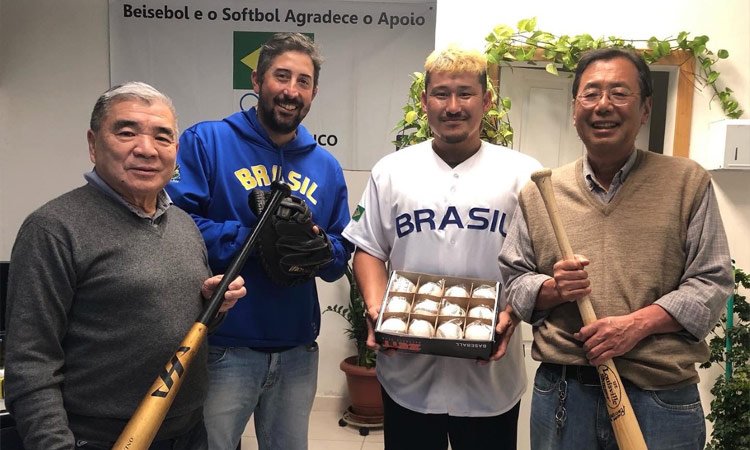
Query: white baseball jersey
point(424, 216)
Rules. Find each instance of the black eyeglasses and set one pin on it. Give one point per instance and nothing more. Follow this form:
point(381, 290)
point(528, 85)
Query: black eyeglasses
point(618, 96)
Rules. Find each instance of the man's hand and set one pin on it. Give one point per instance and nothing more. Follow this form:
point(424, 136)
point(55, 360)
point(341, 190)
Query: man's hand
point(609, 337)
point(507, 322)
point(235, 291)
point(614, 336)
point(571, 280)
point(569, 283)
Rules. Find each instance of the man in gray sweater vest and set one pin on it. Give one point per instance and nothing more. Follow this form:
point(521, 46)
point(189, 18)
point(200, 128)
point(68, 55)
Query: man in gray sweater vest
point(657, 272)
point(104, 283)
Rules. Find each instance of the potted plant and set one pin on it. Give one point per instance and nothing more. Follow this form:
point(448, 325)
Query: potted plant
point(366, 410)
point(730, 349)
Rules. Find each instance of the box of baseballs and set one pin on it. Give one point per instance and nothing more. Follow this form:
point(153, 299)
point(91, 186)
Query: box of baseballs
point(438, 315)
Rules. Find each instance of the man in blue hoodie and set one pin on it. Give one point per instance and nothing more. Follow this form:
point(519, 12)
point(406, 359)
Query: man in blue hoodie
point(263, 360)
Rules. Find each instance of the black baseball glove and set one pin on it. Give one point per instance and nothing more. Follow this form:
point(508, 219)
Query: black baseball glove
point(290, 250)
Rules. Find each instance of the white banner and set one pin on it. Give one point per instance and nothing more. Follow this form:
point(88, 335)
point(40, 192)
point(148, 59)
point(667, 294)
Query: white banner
point(201, 53)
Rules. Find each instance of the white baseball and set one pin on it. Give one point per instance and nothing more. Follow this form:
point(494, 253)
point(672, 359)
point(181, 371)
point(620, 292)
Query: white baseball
point(423, 328)
point(484, 291)
point(402, 284)
point(478, 331)
point(425, 306)
point(481, 312)
point(452, 309)
point(456, 291)
point(449, 330)
point(393, 324)
point(397, 304)
point(430, 288)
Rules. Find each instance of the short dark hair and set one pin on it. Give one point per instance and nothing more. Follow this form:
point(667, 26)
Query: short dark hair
point(281, 43)
point(606, 54)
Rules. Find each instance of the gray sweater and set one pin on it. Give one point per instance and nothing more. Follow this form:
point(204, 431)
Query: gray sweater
point(98, 301)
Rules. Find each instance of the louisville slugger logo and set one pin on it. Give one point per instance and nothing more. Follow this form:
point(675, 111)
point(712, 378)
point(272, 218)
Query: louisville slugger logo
point(173, 367)
point(611, 387)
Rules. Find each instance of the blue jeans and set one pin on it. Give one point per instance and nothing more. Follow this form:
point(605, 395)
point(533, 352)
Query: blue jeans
point(669, 419)
point(277, 389)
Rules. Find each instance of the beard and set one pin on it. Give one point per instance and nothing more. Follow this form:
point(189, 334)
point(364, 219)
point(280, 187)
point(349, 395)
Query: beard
point(278, 122)
point(454, 138)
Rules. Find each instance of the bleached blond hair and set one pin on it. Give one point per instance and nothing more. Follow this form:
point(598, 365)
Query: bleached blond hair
point(455, 59)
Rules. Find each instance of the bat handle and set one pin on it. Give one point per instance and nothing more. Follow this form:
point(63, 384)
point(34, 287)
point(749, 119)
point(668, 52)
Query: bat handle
point(279, 190)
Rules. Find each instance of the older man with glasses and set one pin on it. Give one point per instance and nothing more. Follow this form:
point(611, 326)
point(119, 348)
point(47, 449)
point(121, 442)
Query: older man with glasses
point(657, 271)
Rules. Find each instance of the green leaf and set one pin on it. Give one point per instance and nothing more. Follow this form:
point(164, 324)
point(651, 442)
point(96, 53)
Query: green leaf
point(700, 40)
point(712, 77)
point(549, 54)
point(551, 68)
point(664, 48)
point(722, 54)
point(527, 25)
point(411, 116)
point(545, 37)
point(503, 32)
point(522, 25)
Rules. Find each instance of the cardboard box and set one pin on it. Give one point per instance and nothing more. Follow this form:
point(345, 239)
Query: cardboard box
point(424, 297)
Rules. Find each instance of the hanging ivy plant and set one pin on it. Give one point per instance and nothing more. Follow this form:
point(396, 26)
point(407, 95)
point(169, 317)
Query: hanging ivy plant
point(506, 45)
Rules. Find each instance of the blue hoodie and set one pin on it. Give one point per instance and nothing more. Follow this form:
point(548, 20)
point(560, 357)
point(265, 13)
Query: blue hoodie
point(218, 163)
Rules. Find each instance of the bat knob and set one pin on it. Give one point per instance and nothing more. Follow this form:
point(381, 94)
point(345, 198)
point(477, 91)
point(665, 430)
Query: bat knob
point(541, 174)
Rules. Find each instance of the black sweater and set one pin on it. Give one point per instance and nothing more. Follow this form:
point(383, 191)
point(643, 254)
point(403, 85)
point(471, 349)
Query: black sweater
point(98, 301)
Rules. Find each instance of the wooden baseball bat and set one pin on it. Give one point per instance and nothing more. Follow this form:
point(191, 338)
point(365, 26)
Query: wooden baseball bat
point(148, 417)
point(624, 423)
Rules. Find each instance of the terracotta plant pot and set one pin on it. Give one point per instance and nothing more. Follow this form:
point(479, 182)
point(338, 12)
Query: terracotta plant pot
point(364, 390)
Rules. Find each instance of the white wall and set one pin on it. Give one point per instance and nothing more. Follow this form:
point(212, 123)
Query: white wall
point(54, 63)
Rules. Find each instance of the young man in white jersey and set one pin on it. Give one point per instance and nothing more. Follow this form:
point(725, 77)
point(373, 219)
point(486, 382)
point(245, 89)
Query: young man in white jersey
point(443, 207)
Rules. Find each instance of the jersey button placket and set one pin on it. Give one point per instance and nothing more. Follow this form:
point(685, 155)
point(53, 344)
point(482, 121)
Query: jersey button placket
point(453, 190)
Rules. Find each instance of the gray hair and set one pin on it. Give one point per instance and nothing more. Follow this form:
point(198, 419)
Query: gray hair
point(132, 90)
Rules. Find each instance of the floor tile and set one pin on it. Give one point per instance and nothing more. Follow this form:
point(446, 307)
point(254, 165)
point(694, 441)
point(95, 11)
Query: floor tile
point(372, 446)
point(324, 425)
point(335, 445)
